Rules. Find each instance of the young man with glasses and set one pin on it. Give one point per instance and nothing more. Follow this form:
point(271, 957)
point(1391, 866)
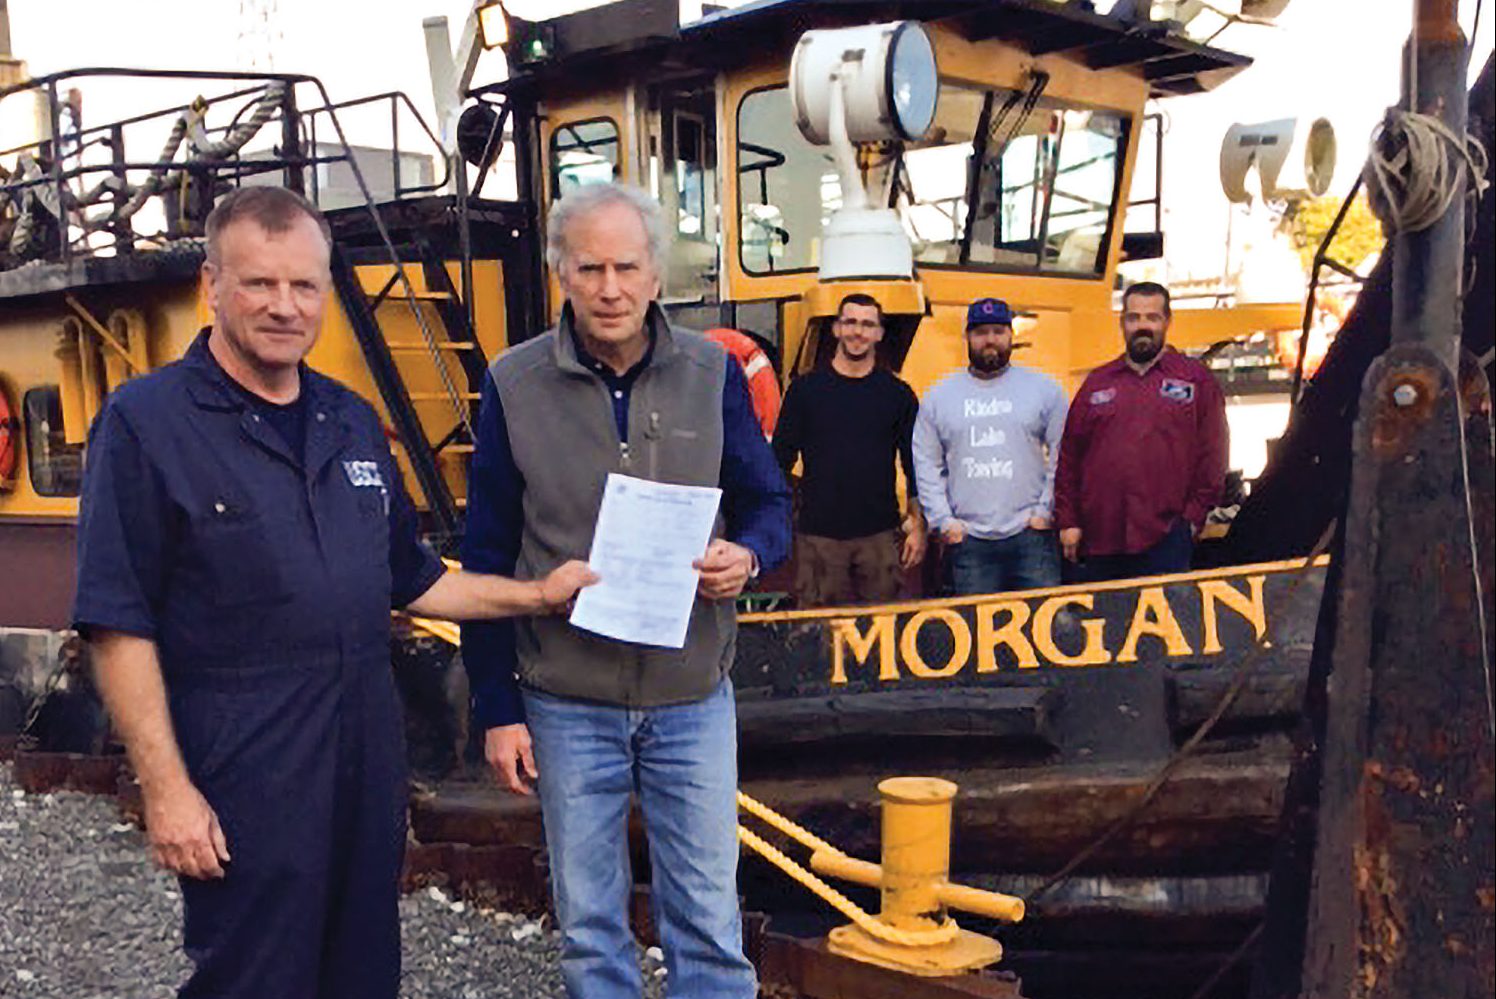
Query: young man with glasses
point(848, 423)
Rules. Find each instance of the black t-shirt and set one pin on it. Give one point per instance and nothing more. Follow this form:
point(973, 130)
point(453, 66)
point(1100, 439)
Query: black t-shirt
point(288, 419)
point(849, 432)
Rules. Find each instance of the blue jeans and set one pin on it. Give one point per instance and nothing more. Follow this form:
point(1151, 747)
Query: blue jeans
point(1173, 553)
point(681, 760)
point(1026, 561)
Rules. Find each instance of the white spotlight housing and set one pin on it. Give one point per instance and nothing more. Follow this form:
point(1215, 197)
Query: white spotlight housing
point(1295, 159)
point(888, 77)
point(867, 84)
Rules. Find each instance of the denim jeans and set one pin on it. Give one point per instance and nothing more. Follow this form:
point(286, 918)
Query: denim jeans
point(1025, 561)
point(1173, 553)
point(681, 760)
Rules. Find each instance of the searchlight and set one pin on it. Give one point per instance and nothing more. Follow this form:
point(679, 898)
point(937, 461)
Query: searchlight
point(874, 83)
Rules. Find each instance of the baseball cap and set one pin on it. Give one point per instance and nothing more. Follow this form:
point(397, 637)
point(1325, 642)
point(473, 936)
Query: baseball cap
point(989, 310)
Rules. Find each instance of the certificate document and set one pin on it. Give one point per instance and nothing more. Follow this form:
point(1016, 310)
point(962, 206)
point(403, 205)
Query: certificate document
point(648, 534)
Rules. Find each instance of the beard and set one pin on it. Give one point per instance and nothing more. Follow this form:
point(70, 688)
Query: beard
point(1143, 348)
point(989, 362)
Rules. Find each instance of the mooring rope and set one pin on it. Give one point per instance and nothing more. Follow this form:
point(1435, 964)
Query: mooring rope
point(1413, 171)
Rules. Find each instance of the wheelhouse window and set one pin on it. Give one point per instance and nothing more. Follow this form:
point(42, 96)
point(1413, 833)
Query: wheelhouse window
point(55, 466)
point(583, 152)
point(787, 188)
point(1005, 181)
point(682, 169)
point(1008, 182)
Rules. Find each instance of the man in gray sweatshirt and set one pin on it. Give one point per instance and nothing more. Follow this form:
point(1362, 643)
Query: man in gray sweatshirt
point(985, 446)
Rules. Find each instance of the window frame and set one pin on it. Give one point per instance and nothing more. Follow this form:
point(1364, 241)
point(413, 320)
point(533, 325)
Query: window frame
point(34, 453)
point(1127, 124)
point(738, 168)
point(552, 169)
point(1124, 144)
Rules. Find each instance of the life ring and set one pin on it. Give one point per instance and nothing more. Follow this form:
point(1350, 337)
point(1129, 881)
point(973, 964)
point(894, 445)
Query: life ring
point(763, 380)
point(10, 432)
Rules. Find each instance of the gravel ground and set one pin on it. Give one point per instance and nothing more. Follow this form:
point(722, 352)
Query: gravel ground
point(84, 915)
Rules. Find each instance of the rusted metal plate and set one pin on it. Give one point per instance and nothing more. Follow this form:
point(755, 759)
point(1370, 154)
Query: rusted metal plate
point(41, 773)
point(803, 969)
point(506, 878)
point(1480, 467)
point(1403, 894)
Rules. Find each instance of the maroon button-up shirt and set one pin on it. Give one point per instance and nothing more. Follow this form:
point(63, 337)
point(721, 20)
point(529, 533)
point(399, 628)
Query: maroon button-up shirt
point(1140, 452)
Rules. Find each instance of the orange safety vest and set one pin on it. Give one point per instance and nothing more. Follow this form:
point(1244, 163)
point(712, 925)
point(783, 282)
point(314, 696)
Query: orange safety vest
point(763, 382)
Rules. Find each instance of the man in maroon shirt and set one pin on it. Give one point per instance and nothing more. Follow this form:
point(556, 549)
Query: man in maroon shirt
point(1143, 458)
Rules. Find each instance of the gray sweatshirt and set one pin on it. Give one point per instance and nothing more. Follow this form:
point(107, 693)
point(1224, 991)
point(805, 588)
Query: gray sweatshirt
point(985, 450)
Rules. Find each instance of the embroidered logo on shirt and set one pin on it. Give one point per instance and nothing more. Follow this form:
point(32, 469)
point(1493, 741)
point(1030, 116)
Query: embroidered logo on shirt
point(364, 473)
point(1103, 396)
point(1177, 391)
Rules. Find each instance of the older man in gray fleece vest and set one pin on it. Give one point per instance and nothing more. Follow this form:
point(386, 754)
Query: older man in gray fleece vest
point(590, 720)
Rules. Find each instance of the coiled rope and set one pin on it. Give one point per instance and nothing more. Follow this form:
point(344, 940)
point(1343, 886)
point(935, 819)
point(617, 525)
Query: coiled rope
point(1413, 172)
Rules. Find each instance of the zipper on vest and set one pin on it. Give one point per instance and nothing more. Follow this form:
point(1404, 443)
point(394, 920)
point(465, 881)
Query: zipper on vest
point(654, 445)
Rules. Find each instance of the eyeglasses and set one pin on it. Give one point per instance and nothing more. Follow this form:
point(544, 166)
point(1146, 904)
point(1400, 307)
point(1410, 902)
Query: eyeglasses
point(867, 324)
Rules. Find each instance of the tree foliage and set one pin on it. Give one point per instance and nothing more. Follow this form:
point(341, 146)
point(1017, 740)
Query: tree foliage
point(1360, 233)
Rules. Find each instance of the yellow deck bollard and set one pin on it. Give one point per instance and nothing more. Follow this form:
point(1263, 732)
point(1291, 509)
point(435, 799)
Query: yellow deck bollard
point(916, 891)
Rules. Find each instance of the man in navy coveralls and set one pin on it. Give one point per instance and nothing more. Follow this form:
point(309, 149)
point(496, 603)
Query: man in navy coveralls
point(244, 532)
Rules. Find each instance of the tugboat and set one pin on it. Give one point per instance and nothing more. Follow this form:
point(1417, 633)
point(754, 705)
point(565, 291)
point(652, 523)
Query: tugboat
point(1061, 713)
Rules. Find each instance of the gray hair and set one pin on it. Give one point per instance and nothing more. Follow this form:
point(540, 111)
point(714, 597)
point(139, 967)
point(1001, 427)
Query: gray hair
point(589, 198)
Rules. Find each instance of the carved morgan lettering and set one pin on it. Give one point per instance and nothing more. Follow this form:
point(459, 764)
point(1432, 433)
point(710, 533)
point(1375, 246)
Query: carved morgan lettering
point(960, 643)
point(846, 636)
point(1092, 653)
point(1249, 605)
point(989, 636)
point(1155, 617)
point(1062, 630)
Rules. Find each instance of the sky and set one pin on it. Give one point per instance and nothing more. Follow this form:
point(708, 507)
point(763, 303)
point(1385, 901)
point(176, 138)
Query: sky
point(1324, 57)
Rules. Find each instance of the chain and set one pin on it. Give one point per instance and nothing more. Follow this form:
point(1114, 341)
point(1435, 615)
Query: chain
point(54, 681)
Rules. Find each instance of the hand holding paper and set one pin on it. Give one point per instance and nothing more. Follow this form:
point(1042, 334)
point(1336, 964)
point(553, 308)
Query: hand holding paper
point(725, 569)
point(649, 536)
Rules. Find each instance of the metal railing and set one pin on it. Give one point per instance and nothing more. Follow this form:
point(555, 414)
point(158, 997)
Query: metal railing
point(61, 184)
point(43, 203)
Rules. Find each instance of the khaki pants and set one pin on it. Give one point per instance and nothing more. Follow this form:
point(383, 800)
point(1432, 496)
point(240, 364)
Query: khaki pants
point(831, 572)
